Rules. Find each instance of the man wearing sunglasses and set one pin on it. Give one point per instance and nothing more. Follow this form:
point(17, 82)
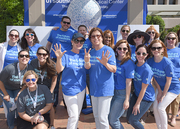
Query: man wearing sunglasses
point(61, 36)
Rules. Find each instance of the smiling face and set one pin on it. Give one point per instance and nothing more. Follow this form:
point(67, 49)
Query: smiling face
point(23, 57)
point(42, 56)
point(151, 33)
point(171, 41)
point(65, 24)
point(77, 44)
point(96, 38)
point(141, 55)
point(29, 37)
point(157, 49)
point(125, 32)
point(138, 39)
point(107, 39)
point(82, 30)
point(14, 36)
point(31, 81)
point(121, 50)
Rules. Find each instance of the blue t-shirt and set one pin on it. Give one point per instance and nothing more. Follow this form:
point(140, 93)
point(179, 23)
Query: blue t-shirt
point(164, 69)
point(33, 51)
point(123, 72)
point(101, 79)
point(144, 74)
point(74, 73)
point(174, 56)
point(133, 55)
point(87, 44)
point(11, 55)
point(60, 37)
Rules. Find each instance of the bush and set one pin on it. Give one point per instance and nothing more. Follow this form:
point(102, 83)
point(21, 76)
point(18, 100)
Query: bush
point(12, 13)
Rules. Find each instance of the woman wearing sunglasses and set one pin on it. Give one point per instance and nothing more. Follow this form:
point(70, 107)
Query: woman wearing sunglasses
point(144, 93)
point(11, 82)
point(33, 104)
point(167, 84)
point(45, 68)
point(9, 50)
point(135, 39)
point(171, 41)
point(30, 41)
point(123, 80)
point(125, 31)
point(152, 32)
point(101, 74)
point(108, 38)
point(73, 64)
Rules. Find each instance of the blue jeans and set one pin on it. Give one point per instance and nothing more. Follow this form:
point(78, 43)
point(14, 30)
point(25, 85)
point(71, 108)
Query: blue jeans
point(134, 119)
point(10, 114)
point(116, 109)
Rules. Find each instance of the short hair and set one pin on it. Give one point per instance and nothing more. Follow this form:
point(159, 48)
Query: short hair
point(96, 29)
point(65, 17)
point(82, 26)
point(23, 50)
point(30, 72)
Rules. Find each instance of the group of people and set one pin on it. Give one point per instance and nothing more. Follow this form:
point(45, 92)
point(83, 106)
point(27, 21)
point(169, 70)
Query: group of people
point(132, 74)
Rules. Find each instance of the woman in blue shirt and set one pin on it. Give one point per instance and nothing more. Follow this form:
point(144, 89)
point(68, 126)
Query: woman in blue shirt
point(144, 94)
point(167, 84)
point(173, 52)
point(73, 64)
point(122, 81)
point(30, 41)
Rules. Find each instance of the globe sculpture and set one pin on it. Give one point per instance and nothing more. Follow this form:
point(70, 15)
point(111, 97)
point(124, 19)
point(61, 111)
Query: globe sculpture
point(84, 12)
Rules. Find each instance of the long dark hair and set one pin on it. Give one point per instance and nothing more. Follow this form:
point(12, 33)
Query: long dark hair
point(23, 43)
point(49, 65)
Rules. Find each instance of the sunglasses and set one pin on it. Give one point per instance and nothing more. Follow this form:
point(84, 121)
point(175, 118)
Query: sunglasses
point(124, 49)
point(16, 36)
point(125, 31)
point(21, 56)
point(66, 22)
point(169, 38)
point(94, 36)
point(29, 34)
point(137, 36)
point(139, 53)
point(76, 41)
point(33, 79)
point(44, 54)
point(150, 32)
point(154, 48)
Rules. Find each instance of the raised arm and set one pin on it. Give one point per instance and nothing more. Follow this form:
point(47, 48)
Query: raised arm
point(87, 57)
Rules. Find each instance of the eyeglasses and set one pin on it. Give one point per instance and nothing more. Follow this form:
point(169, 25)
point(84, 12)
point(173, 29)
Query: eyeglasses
point(29, 34)
point(169, 38)
point(33, 79)
point(154, 48)
point(150, 32)
point(44, 54)
point(21, 56)
point(66, 22)
point(94, 36)
point(125, 31)
point(124, 49)
point(16, 36)
point(139, 53)
point(137, 36)
point(76, 41)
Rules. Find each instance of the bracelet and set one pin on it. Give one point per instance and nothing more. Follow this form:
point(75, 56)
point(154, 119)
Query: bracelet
point(39, 113)
point(87, 62)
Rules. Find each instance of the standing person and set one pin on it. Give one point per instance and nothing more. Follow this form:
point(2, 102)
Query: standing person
point(73, 64)
point(101, 74)
point(152, 32)
point(144, 93)
point(30, 42)
point(122, 81)
point(33, 104)
point(171, 41)
point(11, 83)
point(125, 31)
point(167, 84)
point(61, 36)
point(9, 50)
point(45, 68)
point(135, 39)
point(108, 38)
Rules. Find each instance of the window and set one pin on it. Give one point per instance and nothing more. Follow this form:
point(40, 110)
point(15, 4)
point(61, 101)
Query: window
point(172, 1)
point(150, 2)
point(161, 1)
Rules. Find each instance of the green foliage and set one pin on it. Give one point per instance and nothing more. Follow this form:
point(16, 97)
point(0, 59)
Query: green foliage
point(174, 29)
point(12, 13)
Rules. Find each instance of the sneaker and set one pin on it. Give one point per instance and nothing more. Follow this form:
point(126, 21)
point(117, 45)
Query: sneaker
point(52, 127)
